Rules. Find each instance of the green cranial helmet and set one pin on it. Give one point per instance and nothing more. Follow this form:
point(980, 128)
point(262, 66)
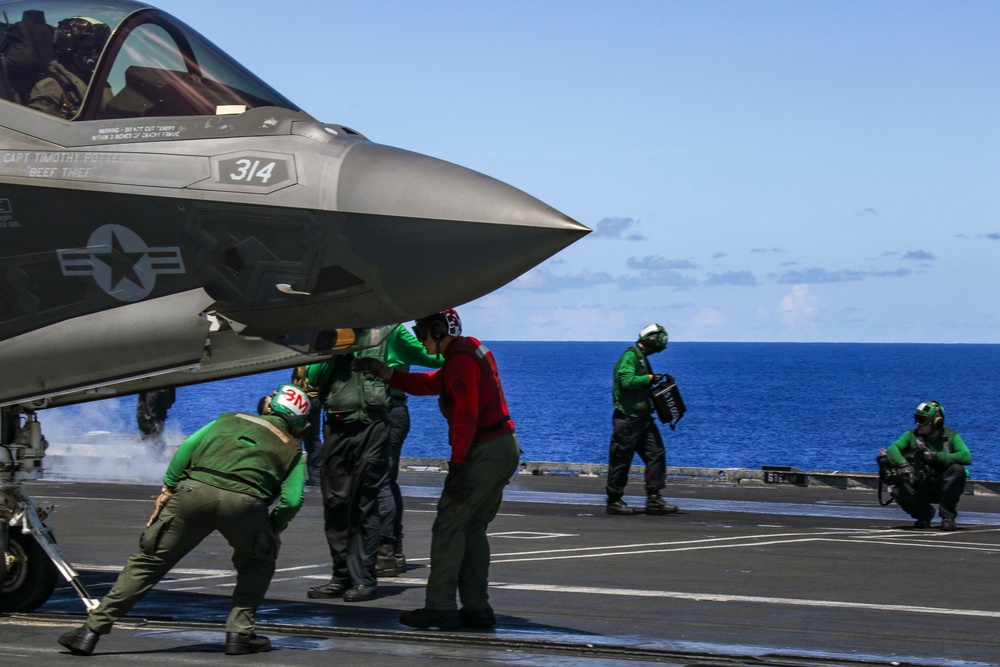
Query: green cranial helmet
point(655, 337)
point(291, 404)
point(929, 412)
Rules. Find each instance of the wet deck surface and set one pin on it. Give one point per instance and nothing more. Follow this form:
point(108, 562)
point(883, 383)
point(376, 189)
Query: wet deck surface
point(743, 575)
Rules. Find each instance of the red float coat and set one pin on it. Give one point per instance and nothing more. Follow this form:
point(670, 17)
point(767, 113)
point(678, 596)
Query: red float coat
point(470, 395)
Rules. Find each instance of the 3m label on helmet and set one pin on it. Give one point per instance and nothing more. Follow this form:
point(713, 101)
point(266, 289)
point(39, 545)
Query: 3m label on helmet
point(294, 399)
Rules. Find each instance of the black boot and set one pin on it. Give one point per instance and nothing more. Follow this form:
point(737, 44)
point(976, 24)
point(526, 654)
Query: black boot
point(446, 619)
point(481, 619)
point(385, 561)
point(361, 593)
point(620, 508)
point(334, 589)
point(238, 643)
point(80, 641)
point(656, 505)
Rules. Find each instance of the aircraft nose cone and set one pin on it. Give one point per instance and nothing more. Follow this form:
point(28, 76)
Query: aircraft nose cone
point(442, 234)
point(383, 180)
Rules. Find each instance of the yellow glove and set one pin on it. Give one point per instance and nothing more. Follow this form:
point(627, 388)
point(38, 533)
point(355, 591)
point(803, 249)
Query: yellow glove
point(161, 500)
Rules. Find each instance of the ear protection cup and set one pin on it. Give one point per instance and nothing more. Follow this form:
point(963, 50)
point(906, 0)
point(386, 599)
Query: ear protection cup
point(438, 326)
point(438, 329)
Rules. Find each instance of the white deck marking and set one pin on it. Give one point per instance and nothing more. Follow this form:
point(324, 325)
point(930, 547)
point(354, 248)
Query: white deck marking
point(527, 535)
point(709, 597)
point(890, 537)
point(676, 595)
point(964, 540)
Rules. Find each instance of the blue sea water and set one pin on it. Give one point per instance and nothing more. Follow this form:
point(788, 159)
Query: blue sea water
point(815, 406)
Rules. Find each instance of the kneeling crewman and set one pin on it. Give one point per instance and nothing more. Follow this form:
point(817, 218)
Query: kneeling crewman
point(224, 477)
point(940, 455)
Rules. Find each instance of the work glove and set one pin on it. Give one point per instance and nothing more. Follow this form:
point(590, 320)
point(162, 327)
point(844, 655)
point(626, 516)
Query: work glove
point(161, 500)
point(457, 483)
point(372, 366)
point(907, 475)
point(929, 457)
point(658, 378)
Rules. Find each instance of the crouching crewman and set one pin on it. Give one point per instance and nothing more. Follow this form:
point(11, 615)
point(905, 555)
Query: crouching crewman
point(224, 477)
point(941, 455)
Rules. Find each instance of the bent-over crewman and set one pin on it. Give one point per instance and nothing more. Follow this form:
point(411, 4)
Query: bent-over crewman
point(224, 477)
point(484, 456)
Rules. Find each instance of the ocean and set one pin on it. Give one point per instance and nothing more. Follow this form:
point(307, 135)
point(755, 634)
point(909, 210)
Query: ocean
point(814, 406)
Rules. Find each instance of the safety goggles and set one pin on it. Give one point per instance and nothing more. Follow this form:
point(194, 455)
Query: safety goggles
point(922, 420)
point(420, 330)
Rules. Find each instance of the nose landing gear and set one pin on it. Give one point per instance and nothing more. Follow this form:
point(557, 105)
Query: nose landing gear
point(29, 577)
point(32, 561)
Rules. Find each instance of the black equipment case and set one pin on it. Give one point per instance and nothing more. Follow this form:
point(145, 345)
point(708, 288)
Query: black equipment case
point(668, 402)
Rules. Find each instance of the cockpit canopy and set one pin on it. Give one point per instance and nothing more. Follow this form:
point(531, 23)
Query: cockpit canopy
point(152, 65)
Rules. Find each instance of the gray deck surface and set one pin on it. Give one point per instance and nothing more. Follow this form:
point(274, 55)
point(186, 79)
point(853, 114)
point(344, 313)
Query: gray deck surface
point(743, 575)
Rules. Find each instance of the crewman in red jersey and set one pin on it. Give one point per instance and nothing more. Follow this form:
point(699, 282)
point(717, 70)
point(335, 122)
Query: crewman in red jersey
point(484, 456)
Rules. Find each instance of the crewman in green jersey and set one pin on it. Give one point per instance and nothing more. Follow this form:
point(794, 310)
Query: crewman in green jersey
point(941, 456)
point(225, 477)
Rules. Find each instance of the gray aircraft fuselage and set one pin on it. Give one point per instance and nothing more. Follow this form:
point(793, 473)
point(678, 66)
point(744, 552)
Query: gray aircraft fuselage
point(187, 223)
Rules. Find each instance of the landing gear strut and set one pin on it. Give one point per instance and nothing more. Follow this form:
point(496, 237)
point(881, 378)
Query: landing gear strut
point(31, 559)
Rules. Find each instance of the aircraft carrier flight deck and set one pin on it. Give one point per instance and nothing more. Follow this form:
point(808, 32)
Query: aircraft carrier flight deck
point(744, 574)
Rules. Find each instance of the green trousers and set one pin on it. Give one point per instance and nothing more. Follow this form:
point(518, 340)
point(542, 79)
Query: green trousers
point(194, 512)
point(460, 550)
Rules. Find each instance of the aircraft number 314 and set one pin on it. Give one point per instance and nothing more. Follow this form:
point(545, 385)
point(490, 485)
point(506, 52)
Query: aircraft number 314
point(253, 171)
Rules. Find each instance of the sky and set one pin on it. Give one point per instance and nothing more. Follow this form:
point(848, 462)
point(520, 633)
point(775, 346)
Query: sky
point(753, 171)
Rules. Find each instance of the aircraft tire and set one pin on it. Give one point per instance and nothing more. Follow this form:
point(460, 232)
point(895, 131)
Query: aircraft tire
point(30, 579)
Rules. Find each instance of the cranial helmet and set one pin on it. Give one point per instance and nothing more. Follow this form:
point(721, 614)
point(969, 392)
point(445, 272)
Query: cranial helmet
point(439, 325)
point(929, 412)
point(291, 404)
point(79, 41)
point(655, 337)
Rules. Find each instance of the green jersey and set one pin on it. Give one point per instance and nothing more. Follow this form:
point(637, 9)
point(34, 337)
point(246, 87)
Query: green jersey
point(630, 390)
point(246, 454)
point(948, 445)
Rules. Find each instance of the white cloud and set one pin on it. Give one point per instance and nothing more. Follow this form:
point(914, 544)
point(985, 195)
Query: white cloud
point(799, 307)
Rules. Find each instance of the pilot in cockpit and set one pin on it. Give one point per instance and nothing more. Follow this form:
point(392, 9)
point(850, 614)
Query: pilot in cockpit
point(78, 44)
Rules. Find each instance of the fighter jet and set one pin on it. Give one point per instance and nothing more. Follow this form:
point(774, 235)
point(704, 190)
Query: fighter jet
point(166, 218)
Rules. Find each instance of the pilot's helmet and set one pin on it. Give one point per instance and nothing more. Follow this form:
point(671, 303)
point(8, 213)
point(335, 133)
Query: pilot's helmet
point(79, 41)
